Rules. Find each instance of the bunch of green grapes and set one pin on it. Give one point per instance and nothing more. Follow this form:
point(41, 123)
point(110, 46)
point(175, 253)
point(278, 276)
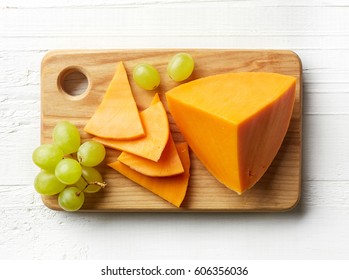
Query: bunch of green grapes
point(68, 167)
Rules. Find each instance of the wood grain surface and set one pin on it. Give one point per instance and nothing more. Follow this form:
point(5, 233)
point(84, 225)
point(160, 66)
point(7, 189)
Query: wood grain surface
point(278, 190)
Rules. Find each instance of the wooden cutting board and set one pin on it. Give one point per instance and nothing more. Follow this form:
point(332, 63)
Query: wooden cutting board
point(278, 190)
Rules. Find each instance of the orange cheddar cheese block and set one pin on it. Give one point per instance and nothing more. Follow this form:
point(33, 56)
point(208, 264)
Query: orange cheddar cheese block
point(117, 116)
point(172, 189)
point(157, 131)
point(169, 163)
point(235, 123)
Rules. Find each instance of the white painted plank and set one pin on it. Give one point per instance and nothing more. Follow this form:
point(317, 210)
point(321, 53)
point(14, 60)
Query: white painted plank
point(176, 21)
point(301, 234)
point(11, 4)
point(325, 147)
point(239, 40)
point(326, 103)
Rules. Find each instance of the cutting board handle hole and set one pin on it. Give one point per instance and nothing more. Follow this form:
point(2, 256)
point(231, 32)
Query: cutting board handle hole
point(73, 83)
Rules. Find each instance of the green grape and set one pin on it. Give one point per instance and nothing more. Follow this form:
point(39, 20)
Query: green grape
point(71, 199)
point(47, 183)
point(89, 175)
point(67, 137)
point(68, 171)
point(91, 153)
point(47, 156)
point(146, 76)
point(180, 67)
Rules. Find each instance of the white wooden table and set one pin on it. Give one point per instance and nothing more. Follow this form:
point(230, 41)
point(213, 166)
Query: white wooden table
point(318, 31)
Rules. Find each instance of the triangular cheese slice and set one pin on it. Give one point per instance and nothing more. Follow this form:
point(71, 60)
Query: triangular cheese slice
point(173, 188)
point(156, 99)
point(234, 123)
point(169, 163)
point(117, 116)
point(157, 130)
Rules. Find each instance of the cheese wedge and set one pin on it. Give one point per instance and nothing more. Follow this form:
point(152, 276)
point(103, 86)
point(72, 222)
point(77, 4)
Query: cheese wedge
point(117, 116)
point(172, 189)
point(235, 123)
point(157, 130)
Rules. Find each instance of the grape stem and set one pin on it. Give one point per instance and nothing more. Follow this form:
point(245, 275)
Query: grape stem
point(101, 184)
